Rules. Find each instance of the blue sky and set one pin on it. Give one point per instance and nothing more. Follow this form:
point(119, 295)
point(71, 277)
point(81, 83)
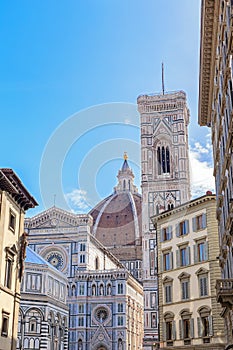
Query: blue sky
point(59, 58)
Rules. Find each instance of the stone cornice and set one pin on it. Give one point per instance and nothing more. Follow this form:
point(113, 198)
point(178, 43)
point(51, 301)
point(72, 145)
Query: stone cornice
point(159, 102)
point(183, 207)
point(208, 38)
point(11, 183)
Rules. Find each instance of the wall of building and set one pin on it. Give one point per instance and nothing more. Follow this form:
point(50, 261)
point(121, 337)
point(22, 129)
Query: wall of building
point(188, 269)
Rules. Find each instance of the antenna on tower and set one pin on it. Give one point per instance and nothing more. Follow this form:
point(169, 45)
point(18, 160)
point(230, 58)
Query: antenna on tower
point(162, 78)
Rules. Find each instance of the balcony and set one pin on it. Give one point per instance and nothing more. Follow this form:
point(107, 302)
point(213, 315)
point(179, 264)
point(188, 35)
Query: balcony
point(224, 289)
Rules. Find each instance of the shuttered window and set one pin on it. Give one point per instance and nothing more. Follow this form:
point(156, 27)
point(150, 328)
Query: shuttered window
point(203, 285)
point(185, 290)
point(201, 252)
point(183, 256)
point(166, 234)
point(167, 261)
point(168, 293)
point(182, 228)
point(199, 222)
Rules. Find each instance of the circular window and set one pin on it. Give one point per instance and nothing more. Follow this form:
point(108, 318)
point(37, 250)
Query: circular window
point(55, 259)
point(101, 314)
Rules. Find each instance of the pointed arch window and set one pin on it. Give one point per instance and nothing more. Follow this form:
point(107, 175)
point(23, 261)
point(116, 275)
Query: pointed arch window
point(167, 160)
point(159, 160)
point(93, 289)
point(80, 344)
point(97, 263)
point(163, 160)
point(120, 344)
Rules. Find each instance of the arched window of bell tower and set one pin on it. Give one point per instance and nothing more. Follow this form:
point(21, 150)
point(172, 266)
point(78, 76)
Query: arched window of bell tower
point(124, 185)
point(129, 184)
point(163, 160)
point(159, 160)
point(167, 159)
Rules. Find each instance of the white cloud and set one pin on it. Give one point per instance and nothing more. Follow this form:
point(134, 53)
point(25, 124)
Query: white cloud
point(201, 171)
point(199, 148)
point(77, 199)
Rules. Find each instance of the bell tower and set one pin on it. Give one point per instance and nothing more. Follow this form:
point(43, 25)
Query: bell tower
point(165, 182)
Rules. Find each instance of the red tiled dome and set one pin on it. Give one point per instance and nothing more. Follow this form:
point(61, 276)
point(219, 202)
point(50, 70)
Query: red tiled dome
point(117, 218)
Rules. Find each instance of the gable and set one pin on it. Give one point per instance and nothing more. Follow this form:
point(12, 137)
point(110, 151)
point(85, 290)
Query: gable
point(56, 217)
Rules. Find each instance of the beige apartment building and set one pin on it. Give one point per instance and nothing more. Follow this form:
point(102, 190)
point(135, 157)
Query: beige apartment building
point(215, 111)
point(14, 201)
point(189, 315)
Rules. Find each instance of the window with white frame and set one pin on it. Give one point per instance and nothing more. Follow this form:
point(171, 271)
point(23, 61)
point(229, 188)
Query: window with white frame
point(168, 293)
point(205, 324)
point(120, 307)
point(82, 258)
point(82, 247)
point(167, 285)
point(184, 285)
point(120, 320)
point(10, 253)
point(8, 271)
point(5, 324)
point(120, 288)
point(186, 325)
point(169, 328)
point(81, 289)
point(12, 220)
point(203, 285)
point(203, 282)
point(32, 325)
point(80, 321)
point(163, 160)
point(80, 308)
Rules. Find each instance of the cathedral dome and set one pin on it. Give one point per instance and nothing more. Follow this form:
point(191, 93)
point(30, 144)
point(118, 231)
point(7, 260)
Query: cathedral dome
point(117, 218)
